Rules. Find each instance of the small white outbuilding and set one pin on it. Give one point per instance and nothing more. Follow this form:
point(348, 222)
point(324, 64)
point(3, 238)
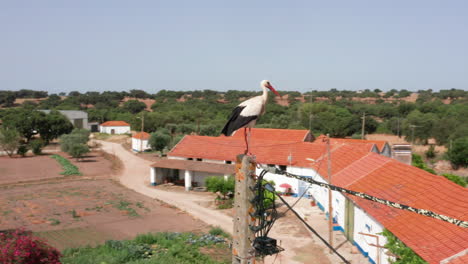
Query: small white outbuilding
point(115, 127)
point(140, 141)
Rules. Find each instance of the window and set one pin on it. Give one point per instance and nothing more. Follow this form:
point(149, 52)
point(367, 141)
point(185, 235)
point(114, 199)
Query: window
point(190, 159)
point(282, 167)
point(228, 162)
point(198, 159)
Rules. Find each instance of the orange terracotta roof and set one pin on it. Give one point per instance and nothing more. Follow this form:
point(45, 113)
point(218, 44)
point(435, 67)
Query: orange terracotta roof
point(141, 135)
point(115, 123)
point(195, 166)
point(274, 134)
point(432, 239)
point(379, 143)
point(458, 260)
point(341, 157)
point(266, 152)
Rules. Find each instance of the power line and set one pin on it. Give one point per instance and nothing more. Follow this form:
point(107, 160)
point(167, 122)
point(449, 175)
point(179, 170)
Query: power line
point(271, 188)
point(424, 212)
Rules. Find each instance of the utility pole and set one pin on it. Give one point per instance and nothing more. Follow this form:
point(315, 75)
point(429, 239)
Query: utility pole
point(243, 236)
point(412, 132)
point(141, 134)
point(363, 124)
point(330, 206)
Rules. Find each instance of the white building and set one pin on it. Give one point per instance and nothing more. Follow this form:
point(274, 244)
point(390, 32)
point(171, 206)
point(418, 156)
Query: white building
point(356, 166)
point(140, 142)
point(115, 127)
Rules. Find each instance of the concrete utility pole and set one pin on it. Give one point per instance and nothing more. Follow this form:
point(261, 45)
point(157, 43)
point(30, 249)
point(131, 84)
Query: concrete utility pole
point(363, 124)
point(330, 206)
point(243, 236)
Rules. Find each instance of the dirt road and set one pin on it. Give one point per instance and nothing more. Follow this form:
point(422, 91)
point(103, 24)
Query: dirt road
point(135, 175)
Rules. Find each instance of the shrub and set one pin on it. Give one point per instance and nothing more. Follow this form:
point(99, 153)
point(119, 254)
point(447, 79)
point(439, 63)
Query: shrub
point(431, 153)
point(219, 184)
point(36, 146)
point(22, 150)
point(77, 150)
point(20, 246)
point(159, 140)
point(9, 140)
point(456, 179)
point(404, 253)
point(418, 162)
point(458, 153)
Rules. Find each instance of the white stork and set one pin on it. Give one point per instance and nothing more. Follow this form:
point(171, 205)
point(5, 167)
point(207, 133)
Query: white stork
point(246, 113)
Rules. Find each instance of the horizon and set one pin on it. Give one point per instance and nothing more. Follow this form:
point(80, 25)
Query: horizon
point(57, 46)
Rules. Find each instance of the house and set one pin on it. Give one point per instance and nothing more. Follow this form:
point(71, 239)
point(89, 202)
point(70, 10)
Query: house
point(115, 127)
point(140, 141)
point(297, 135)
point(381, 147)
point(79, 119)
point(357, 165)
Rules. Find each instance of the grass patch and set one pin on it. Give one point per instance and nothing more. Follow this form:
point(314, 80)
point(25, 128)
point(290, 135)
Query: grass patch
point(217, 231)
point(67, 166)
point(177, 248)
point(101, 136)
point(54, 221)
point(123, 205)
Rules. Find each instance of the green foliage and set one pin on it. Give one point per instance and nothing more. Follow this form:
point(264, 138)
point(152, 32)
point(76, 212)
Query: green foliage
point(159, 140)
point(218, 231)
point(75, 143)
point(9, 140)
point(456, 179)
point(68, 167)
point(134, 106)
point(405, 255)
point(458, 153)
point(431, 153)
point(418, 162)
point(180, 248)
point(26, 122)
point(219, 184)
point(22, 150)
point(54, 125)
point(36, 146)
point(77, 150)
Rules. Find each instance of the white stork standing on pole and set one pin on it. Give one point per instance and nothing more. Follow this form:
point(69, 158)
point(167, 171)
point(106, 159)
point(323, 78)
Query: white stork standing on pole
point(246, 113)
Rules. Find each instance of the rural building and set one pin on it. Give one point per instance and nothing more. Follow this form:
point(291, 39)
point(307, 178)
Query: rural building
point(140, 141)
point(115, 127)
point(79, 119)
point(357, 165)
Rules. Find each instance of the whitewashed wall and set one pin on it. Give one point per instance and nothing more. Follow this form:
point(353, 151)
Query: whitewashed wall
point(137, 144)
point(177, 158)
point(366, 224)
point(118, 129)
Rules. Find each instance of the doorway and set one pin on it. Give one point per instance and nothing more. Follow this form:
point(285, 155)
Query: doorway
point(349, 220)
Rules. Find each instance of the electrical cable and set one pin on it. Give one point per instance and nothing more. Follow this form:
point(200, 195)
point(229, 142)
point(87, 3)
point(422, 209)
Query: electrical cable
point(366, 196)
point(309, 227)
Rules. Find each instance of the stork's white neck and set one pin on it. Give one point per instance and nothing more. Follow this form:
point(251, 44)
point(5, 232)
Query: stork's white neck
point(265, 94)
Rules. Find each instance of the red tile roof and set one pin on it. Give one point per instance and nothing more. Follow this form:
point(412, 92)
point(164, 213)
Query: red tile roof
point(115, 123)
point(432, 239)
point(341, 157)
point(266, 152)
point(274, 134)
point(379, 143)
point(141, 135)
point(458, 260)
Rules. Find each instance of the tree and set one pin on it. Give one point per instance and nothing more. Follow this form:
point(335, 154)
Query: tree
point(26, 122)
point(9, 140)
point(36, 146)
point(458, 153)
point(159, 140)
point(77, 150)
point(77, 137)
point(134, 106)
point(55, 124)
point(7, 98)
point(456, 179)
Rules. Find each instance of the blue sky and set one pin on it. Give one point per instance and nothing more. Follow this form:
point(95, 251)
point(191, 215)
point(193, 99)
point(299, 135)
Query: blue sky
point(220, 45)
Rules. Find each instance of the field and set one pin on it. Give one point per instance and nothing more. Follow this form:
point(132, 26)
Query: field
point(81, 212)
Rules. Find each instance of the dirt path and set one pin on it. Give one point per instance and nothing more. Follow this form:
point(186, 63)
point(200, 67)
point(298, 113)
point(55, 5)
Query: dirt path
point(135, 176)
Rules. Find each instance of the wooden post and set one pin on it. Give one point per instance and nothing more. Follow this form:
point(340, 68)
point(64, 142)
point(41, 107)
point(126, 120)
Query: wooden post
point(242, 239)
point(330, 200)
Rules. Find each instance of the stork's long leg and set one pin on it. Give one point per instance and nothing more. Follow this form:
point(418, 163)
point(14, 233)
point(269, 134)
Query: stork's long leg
point(246, 141)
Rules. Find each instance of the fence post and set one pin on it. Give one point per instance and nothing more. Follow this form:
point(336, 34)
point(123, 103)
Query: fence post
point(243, 236)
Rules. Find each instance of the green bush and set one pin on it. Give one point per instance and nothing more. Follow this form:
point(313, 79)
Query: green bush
point(22, 150)
point(431, 153)
point(219, 184)
point(458, 153)
point(77, 150)
point(456, 179)
point(217, 231)
point(68, 168)
point(405, 255)
point(36, 146)
point(418, 162)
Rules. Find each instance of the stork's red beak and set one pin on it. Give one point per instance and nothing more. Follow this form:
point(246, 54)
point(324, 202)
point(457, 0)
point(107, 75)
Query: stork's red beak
point(273, 90)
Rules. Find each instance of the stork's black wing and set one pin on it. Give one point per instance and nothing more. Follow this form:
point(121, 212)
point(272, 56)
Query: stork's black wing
point(236, 121)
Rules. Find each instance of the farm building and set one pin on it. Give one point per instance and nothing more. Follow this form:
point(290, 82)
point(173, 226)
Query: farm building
point(79, 119)
point(356, 165)
point(115, 127)
point(140, 141)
